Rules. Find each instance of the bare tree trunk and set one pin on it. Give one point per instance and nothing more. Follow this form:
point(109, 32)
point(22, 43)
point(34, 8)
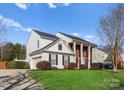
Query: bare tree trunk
point(114, 68)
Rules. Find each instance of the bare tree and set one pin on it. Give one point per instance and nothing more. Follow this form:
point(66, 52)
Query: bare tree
point(111, 33)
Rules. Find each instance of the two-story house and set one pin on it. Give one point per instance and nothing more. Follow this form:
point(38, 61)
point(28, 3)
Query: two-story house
point(59, 49)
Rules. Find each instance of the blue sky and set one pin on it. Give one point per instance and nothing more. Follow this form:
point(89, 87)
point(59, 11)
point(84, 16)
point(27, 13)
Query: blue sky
point(75, 19)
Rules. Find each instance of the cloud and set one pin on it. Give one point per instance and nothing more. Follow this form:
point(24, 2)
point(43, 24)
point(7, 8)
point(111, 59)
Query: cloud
point(25, 6)
point(76, 34)
point(7, 23)
point(89, 36)
point(66, 4)
point(22, 5)
point(53, 5)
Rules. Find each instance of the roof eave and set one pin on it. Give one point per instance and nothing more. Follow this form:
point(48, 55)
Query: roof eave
point(86, 43)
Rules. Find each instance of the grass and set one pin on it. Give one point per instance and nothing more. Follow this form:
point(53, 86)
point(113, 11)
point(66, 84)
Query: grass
point(78, 79)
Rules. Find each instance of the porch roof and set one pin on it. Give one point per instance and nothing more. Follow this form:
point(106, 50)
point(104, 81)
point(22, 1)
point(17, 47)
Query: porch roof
point(77, 39)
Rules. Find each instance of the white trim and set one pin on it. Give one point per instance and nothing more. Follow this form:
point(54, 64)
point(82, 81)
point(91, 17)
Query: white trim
point(81, 54)
point(89, 56)
point(74, 48)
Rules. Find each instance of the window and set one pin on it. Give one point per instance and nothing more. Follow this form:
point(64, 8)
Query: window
point(37, 43)
point(65, 59)
point(60, 47)
point(53, 59)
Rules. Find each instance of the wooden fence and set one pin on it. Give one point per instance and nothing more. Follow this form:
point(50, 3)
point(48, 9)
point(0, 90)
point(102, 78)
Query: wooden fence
point(2, 65)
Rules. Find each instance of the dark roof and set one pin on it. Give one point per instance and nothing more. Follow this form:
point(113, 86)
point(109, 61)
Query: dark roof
point(78, 39)
point(44, 34)
point(47, 46)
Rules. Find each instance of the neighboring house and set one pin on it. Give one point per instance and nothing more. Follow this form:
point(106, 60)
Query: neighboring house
point(99, 55)
point(59, 49)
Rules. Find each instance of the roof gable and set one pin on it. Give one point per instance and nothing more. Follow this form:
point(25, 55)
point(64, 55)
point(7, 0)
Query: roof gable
point(65, 48)
point(52, 47)
point(44, 48)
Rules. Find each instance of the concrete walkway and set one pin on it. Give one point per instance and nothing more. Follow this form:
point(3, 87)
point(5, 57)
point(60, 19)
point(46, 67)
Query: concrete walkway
point(17, 80)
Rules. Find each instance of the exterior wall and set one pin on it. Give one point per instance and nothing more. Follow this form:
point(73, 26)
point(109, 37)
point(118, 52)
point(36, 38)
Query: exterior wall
point(45, 57)
point(32, 43)
point(34, 60)
point(53, 49)
point(98, 56)
point(65, 48)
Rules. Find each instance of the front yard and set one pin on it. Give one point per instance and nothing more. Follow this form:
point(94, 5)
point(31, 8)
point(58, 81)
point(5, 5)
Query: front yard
point(78, 79)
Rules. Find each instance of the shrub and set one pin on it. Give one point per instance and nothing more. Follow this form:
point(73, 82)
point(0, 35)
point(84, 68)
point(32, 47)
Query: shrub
point(83, 67)
point(54, 68)
point(11, 65)
point(72, 66)
point(44, 65)
point(96, 66)
point(27, 66)
point(17, 65)
point(65, 66)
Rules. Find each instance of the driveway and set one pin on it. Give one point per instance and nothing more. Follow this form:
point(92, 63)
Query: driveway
point(11, 79)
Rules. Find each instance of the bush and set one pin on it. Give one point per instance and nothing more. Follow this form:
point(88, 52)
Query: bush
point(96, 66)
point(17, 65)
point(72, 66)
point(65, 66)
point(83, 67)
point(11, 65)
point(44, 65)
point(54, 68)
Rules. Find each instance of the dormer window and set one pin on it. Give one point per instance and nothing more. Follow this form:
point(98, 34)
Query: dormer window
point(37, 43)
point(59, 46)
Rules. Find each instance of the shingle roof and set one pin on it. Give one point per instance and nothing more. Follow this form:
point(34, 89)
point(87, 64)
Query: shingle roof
point(44, 34)
point(78, 39)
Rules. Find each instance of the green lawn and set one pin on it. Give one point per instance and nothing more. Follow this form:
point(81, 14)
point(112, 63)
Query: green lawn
point(78, 79)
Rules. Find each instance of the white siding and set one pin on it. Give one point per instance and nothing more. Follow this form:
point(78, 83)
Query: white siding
point(60, 62)
point(34, 60)
point(98, 55)
point(45, 57)
point(65, 48)
point(32, 43)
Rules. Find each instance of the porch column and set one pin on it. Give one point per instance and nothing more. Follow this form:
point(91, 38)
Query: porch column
point(81, 53)
point(89, 57)
point(74, 47)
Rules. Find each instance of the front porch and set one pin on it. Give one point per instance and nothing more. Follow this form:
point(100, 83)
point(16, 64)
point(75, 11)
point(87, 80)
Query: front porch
point(83, 53)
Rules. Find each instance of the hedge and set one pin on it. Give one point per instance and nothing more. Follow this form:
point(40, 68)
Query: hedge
point(17, 65)
point(96, 66)
point(72, 66)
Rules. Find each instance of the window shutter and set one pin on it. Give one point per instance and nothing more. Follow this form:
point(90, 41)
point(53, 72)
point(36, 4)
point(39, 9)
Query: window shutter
point(68, 59)
point(62, 59)
point(56, 59)
point(37, 43)
point(50, 58)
